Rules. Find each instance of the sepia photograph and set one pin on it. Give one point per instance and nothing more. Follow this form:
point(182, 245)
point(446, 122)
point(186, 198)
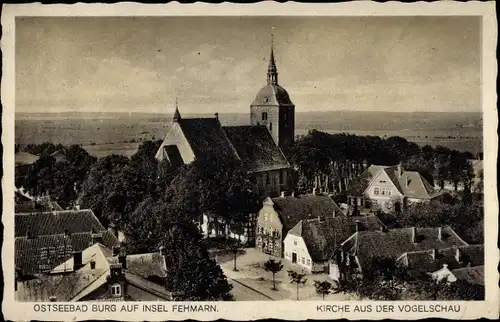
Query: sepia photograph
point(200, 159)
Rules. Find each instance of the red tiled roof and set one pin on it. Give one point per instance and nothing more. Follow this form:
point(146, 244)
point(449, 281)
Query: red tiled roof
point(473, 275)
point(35, 255)
point(432, 260)
point(294, 209)
point(58, 222)
point(322, 237)
point(367, 245)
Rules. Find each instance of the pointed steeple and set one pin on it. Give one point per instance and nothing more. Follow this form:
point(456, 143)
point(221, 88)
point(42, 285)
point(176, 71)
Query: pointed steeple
point(272, 71)
point(177, 115)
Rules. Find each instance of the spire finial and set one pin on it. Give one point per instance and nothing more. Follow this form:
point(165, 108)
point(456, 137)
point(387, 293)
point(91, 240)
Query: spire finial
point(272, 71)
point(177, 115)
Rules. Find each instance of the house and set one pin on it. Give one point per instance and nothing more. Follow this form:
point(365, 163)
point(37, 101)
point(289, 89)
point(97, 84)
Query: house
point(434, 260)
point(473, 275)
point(380, 186)
point(360, 249)
point(99, 274)
point(260, 146)
point(44, 240)
point(451, 264)
point(311, 242)
point(278, 215)
point(25, 203)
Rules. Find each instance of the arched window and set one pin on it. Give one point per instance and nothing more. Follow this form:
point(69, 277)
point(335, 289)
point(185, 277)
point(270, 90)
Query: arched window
point(264, 116)
point(271, 126)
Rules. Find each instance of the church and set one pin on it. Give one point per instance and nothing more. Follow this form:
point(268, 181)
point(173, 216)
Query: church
point(260, 146)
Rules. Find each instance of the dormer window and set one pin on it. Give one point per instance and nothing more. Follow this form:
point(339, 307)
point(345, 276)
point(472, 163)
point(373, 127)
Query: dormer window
point(116, 290)
point(264, 116)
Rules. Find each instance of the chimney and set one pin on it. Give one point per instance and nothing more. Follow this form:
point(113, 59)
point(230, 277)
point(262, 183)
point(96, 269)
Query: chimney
point(217, 116)
point(96, 237)
point(413, 235)
point(440, 237)
point(358, 226)
point(400, 170)
point(116, 251)
point(122, 259)
point(445, 266)
point(161, 251)
point(77, 260)
point(433, 253)
point(282, 194)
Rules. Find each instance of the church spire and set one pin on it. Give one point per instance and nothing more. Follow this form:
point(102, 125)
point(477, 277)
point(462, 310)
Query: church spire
point(272, 71)
point(177, 115)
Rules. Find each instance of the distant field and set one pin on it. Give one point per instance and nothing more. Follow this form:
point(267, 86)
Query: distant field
point(105, 134)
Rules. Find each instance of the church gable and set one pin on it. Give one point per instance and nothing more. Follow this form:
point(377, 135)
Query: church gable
point(175, 145)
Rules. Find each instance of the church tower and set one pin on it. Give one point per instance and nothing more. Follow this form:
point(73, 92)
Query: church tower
point(273, 108)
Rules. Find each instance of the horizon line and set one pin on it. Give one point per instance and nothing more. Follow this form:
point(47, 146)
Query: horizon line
point(244, 113)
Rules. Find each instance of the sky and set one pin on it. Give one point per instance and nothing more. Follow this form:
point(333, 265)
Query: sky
point(218, 64)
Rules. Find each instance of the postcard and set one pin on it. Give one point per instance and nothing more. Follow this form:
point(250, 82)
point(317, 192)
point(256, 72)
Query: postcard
point(241, 162)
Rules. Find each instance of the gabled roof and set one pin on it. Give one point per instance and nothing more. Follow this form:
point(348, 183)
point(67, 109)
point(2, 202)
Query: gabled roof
point(322, 237)
point(473, 275)
point(76, 285)
point(206, 137)
point(35, 255)
point(57, 222)
point(359, 185)
point(256, 147)
point(46, 239)
point(431, 260)
point(409, 183)
point(367, 245)
point(294, 209)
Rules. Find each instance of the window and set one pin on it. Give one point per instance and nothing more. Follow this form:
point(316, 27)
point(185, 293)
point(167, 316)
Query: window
point(382, 181)
point(295, 242)
point(282, 175)
point(308, 262)
point(303, 260)
point(382, 192)
point(264, 116)
point(271, 126)
point(376, 191)
point(116, 289)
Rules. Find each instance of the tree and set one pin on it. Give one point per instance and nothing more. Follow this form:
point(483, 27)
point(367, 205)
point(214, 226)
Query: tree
point(323, 288)
point(274, 267)
point(298, 279)
point(192, 273)
point(235, 246)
